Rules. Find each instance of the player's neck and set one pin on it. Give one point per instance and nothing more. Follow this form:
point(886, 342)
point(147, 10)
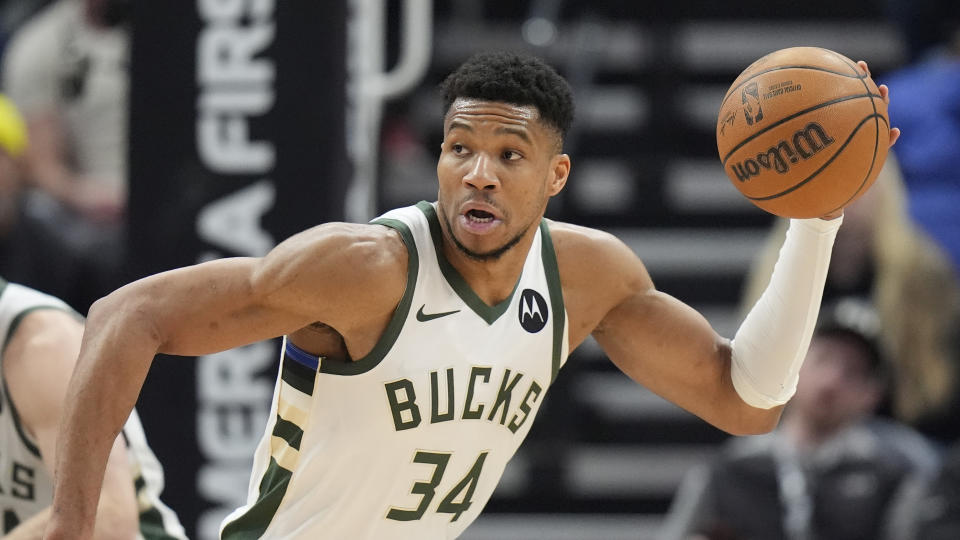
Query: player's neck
point(493, 280)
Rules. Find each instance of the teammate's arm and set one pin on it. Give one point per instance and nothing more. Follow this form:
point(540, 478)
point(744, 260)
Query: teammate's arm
point(37, 365)
point(343, 275)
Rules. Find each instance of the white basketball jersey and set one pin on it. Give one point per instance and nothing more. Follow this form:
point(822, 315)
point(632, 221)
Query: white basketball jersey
point(411, 440)
point(25, 486)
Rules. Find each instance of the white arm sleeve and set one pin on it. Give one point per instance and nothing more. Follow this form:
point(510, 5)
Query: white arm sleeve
point(772, 342)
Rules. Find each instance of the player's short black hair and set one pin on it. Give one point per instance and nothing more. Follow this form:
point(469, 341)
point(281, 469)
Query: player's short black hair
point(514, 78)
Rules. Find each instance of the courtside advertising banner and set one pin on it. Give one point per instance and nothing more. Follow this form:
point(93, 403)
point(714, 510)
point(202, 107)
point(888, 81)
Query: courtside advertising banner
point(237, 141)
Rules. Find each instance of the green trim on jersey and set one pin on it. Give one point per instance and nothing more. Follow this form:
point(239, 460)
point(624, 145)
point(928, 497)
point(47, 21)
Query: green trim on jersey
point(288, 431)
point(24, 438)
point(273, 485)
point(552, 271)
point(488, 313)
point(390, 335)
point(14, 324)
point(254, 522)
point(297, 375)
point(151, 520)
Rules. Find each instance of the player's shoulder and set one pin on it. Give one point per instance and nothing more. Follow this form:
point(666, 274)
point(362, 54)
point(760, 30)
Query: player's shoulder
point(349, 257)
point(576, 242)
point(33, 315)
point(38, 359)
point(356, 243)
point(32, 342)
point(592, 258)
point(571, 236)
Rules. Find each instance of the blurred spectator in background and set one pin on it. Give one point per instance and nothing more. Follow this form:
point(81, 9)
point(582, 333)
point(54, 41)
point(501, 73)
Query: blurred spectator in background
point(13, 142)
point(832, 470)
point(937, 510)
point(881, 256)
point(929, 116)
point(926, 25)
point(31, 251)
point(928, 112)
point(13, 13)
point(66, 69)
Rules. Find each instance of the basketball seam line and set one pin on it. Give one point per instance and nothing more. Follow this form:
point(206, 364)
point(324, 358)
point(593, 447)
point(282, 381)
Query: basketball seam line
point(850, 63)
point(778, 68)
point(876, 138)
point(787, 119)
point(827, 164)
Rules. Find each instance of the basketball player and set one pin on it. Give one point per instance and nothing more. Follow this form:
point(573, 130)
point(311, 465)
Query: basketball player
point(418, 348)
point(42, 339)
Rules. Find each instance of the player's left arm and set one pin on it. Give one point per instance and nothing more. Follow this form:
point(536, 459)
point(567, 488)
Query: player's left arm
point(737, 385)
point(671, 349)
point(652, 337)
point(38, 362)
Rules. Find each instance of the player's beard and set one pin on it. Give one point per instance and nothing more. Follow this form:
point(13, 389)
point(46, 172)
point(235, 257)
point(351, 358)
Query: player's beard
point(491, 255)
point(486, 256)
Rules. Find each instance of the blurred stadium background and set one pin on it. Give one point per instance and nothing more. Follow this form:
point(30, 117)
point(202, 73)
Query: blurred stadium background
point(249, 124)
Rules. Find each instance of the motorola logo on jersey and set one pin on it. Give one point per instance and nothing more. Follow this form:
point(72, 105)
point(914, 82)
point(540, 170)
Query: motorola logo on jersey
point(533, 311)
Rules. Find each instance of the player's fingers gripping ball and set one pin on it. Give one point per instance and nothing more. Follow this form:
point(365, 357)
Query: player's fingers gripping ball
point(803, 132)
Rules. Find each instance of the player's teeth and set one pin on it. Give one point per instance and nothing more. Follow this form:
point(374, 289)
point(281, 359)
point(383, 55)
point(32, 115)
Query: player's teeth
point(474, 217)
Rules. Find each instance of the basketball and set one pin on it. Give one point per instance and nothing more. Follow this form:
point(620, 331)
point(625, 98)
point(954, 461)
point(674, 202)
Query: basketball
point(802, 132)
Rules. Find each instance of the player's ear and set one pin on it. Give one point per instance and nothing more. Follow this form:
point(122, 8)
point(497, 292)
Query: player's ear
point(559, 172)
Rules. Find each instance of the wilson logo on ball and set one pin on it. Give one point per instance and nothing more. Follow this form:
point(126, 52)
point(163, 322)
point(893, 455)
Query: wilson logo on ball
point(807, 142)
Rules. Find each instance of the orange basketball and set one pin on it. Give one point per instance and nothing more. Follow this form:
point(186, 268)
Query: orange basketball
point(803, 132)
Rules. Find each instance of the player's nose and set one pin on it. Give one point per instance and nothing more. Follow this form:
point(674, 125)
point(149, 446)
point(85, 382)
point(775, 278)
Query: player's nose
point(482, 174)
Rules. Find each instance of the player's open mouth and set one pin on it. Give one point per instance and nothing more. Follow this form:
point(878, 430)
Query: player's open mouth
point(479, 221)
point(479, 216)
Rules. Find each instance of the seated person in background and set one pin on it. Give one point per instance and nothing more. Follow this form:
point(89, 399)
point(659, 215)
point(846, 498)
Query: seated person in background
point(28, 241)
point(66, 69)
point(831, 471)
point(930, 119)
point(42, 341)
point(937, 511)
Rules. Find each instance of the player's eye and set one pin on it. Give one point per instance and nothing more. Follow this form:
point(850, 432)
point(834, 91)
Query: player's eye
point(511, 155)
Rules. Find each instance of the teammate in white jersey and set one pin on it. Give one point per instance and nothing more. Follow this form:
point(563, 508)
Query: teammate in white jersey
point(41, 341)
point(419, 347)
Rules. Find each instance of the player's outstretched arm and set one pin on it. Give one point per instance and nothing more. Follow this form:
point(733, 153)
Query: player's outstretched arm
point(738, 386)
point(340, 274)
point(655, 339)
point(37, 364)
